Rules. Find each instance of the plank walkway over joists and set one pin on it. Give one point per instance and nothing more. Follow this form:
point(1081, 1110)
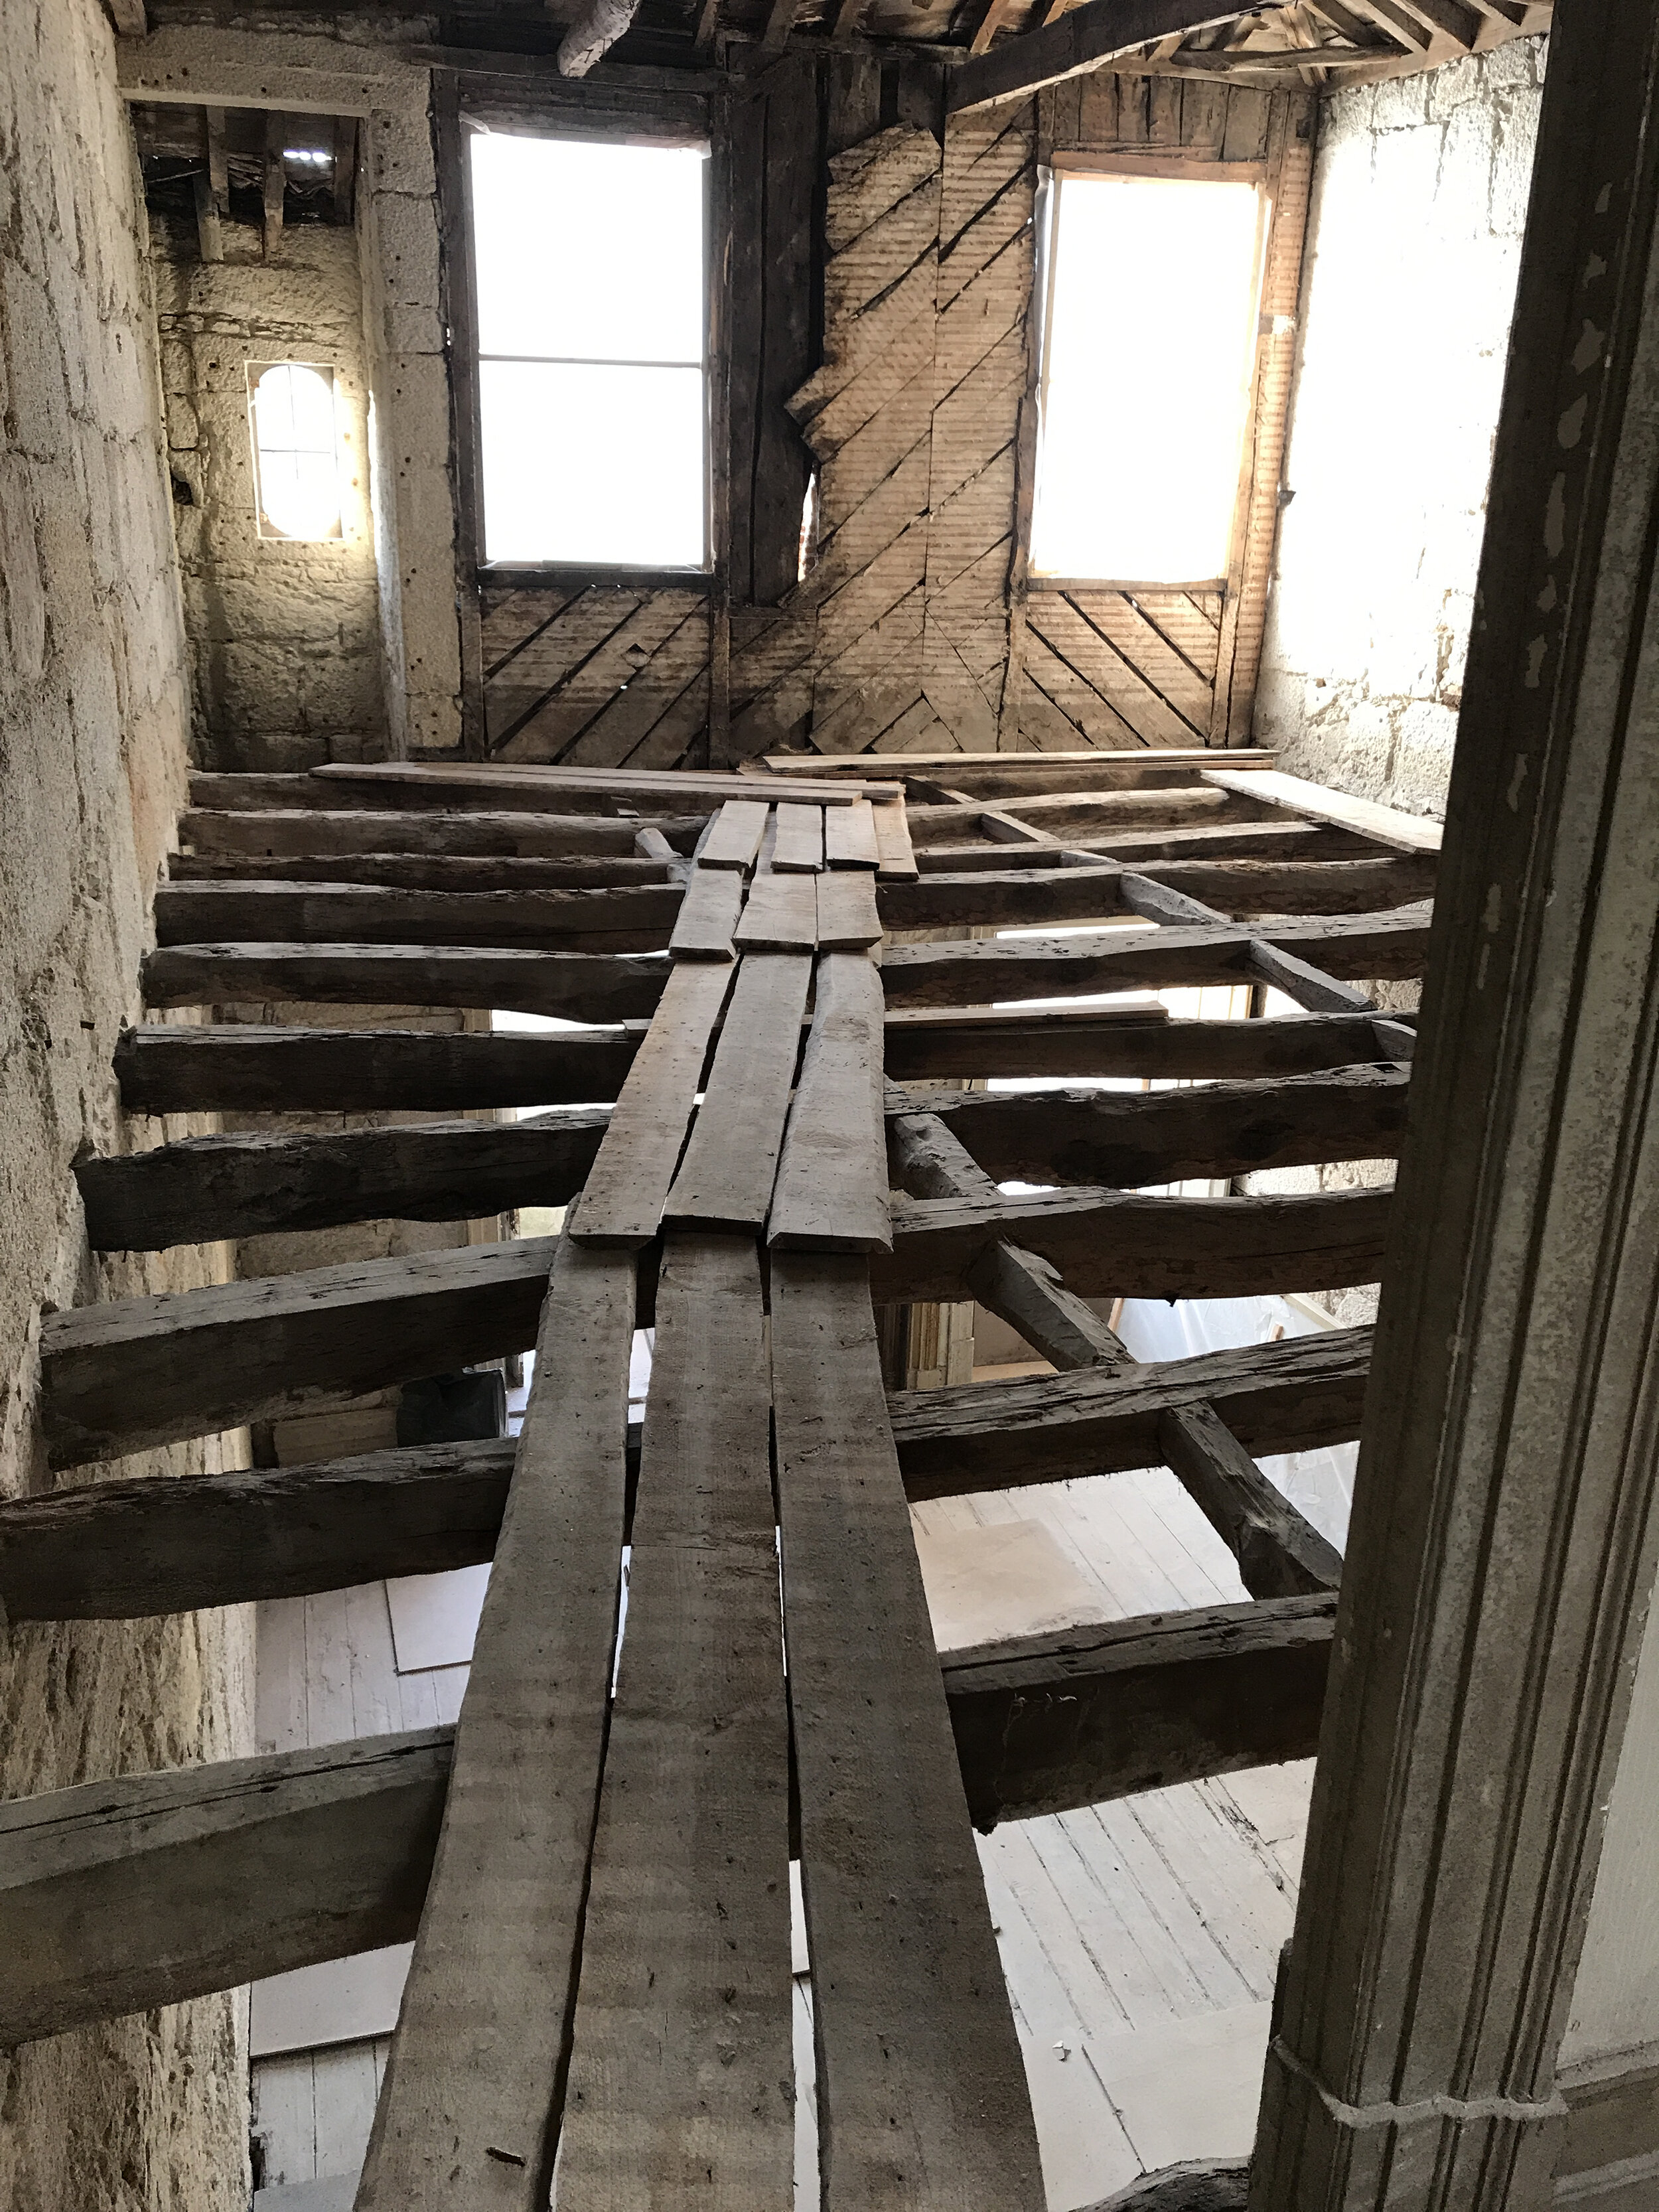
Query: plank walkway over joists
point(602, 1972)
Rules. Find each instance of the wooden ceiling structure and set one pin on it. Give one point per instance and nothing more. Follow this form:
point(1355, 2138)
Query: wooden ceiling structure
point(597, 1882)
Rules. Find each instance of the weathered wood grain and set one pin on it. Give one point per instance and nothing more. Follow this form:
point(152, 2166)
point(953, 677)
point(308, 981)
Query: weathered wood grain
point(1391, 945)
point(121, 1896)
point(1113, 1244)
point(734, 837)
point(703, 926)
point(1031, 896)
point(424, 872)
point(470, 2101)
point(848, 920)
point(731, 1162)
point(800, 845)
point(134, 1372)
point(203, 1188)
point(1383, 825)
point(1306, 986)
point(1129, 1139)
point(1136, 1704)
point(1294, 1395)
point(1119, 1041)
point(627, 917)
point(310, 792)
point(781, 915)
point(1280, 1553)
point(1007, 775)
point(831, 1191)
point(895, 856)
point(526, 782)
point(582, 986)
point(256, 1068)
point(921, 2093)
point(849, 837)
point(305, 832)
point(681, 2089)
point(622, 1200)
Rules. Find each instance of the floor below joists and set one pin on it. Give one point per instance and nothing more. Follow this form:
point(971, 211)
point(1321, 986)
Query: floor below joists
point(1139, 1938)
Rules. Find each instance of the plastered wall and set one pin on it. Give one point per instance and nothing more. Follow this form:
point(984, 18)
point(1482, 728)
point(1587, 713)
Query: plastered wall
point(148, 2113)
point(1419, 198)
point(285, 635)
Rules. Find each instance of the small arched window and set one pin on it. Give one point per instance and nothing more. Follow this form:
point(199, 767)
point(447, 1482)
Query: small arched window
point(295, 456)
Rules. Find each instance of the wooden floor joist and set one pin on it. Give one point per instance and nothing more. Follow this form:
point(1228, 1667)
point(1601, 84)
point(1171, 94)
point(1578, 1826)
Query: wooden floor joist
point(309, 832)
point(584, 987)
point(922, 2095)
point(424, 872)
point(470, 2104)
point(365, 914)
point(1027, 898)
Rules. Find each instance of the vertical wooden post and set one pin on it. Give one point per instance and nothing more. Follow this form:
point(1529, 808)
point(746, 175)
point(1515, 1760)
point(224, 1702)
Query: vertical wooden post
point(1502, 1548)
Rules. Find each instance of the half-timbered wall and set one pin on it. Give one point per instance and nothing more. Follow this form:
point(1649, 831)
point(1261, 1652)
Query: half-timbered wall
point(878, 332)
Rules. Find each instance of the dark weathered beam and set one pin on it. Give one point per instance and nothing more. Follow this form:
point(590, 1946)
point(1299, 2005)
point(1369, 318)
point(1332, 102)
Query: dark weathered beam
point(1391, 945)
point(1111, 1243)
point(255, 1068)
point(1061, 813)
point(625, 918)
point(1119, 1041)
point(138, 1371)
point(1130, 1140)
point(1028, 896)
point(216, 793)
point(203, 1188)
point(310, 833)
point(121, 1896)
point(1294, 1395)
point(586, 987)
point(1286, 839)
point(1047, 1725)
point(424, 872)
point(248, 1185)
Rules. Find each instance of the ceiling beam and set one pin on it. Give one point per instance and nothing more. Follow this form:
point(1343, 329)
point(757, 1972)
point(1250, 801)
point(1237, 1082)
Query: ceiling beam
point(1098, 32)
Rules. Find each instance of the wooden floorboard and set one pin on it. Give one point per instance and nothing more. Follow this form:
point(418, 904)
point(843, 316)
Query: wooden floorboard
point(681, 2067)
point(725, 1178)
point(832, 1188)
point(921, 2097)
point(469, 2111)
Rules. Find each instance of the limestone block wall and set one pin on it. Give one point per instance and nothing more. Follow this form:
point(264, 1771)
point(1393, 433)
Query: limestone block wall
point(1419, 198)
point(149, 2112)
point(285, 635)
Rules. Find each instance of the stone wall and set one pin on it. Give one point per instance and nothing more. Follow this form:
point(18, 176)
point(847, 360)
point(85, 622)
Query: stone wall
point(284, 635)
point(1414, 240)
point(151, 2111)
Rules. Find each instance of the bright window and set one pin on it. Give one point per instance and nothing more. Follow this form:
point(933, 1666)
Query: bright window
point(1148, 353)
point(591, 298)
point(295, 449)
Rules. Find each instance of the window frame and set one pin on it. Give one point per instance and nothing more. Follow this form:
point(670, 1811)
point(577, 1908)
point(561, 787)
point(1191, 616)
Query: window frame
point(1084, 162)
point(254, 373)
point(611, 127)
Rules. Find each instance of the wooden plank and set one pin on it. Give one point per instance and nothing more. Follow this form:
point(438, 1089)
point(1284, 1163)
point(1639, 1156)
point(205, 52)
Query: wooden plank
point(726, 1179)
point(248, 1184)
point(304, 831)
point(1130, 1041)
point(921, 2095)
point(521, 779)
point(685, 1949)
point(849, 919)
point(584, 987)
point(470, 2104)
point(781, 915)
point(256, 1068)
point(734, 837)
point(120, 1896)
point(621, 1203)
point(1129, 1140)
point(365, 914)
point(1307, 986)
point(427, 871)
point(1386, 945)
point(1067, 811)
point(1138, 1705)
point(849, 837)
point(800, 845)
point(1024, 896)
point(831, 1192)
point(134, 1373)
point(896, 857)
point(1297, 1395)
point(1002, 775)
point(714, 900)
point(1384, 825)
point(253, 1866)
point(1113, 1244)
point(153, 1544)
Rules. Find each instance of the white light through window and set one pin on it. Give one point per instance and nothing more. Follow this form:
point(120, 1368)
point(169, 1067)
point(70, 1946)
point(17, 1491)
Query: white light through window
point(591, 288)
point(1149, 344)
point(297, 461)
